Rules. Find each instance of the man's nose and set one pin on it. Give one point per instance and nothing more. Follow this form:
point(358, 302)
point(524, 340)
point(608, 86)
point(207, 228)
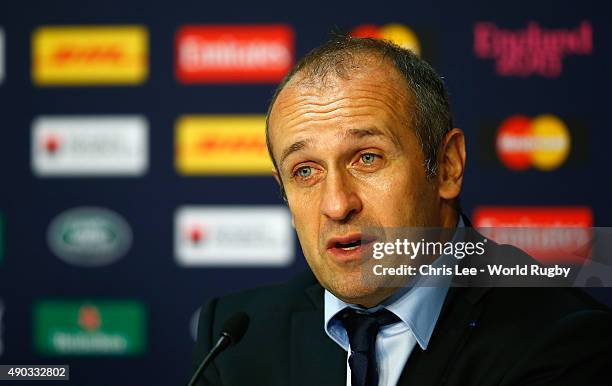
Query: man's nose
point(339, 199)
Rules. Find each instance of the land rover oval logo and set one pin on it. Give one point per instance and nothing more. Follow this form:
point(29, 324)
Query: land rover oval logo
point(89, 236)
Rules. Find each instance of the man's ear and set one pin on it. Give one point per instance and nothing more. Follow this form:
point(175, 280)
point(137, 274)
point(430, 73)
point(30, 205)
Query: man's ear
point(451, 164)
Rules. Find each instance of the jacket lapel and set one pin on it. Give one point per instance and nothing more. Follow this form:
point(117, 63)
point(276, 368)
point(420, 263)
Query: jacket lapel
point(458, 319)
point(315, 358)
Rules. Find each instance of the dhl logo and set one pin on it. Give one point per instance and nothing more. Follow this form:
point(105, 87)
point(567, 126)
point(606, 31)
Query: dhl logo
point(242, 144)
point(95, 54)
point(221, 144)
point(89, 55)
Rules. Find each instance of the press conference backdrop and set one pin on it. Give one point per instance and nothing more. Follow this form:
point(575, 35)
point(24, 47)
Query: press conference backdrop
point(136, 183)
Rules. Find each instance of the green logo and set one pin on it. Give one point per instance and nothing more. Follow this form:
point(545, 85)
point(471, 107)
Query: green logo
point(65, 327)
point(89, 236)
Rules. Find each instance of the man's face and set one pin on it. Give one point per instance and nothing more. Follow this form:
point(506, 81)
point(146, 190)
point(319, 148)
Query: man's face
point(349, 159)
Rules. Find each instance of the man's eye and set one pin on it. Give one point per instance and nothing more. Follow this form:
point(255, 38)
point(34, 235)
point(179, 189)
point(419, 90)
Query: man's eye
point(304, 172)
point(368, 158)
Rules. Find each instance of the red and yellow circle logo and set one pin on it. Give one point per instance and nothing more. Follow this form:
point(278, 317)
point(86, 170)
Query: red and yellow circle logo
point(394, 32)
point(542, 142)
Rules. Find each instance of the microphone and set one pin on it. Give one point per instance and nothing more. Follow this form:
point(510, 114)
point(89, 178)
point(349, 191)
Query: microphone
point(232, 331)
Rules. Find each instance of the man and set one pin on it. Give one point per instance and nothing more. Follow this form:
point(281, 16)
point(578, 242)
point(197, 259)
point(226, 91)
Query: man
point(361, 136)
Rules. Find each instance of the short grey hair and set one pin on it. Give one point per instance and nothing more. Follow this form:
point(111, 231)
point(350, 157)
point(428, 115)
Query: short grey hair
point(430, 106)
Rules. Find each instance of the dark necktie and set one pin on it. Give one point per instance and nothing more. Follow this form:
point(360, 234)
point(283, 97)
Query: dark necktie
point(362, 329)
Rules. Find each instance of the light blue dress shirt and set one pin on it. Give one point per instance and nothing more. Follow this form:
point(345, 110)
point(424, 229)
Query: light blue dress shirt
point(418, 308)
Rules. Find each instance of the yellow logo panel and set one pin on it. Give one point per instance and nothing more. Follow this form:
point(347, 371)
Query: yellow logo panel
point(221, 144)
point(89, 55)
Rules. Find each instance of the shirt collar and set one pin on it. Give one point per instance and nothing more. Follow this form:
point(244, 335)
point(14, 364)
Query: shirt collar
point(417, 306)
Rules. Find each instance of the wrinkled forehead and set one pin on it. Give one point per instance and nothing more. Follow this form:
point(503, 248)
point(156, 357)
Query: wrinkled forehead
point(325, 74)
point(370, 80)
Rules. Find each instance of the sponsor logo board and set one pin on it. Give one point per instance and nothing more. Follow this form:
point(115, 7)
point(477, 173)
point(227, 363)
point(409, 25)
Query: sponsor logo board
point(88, 146)
point(531, 51)
point(89, 236)
point(546, 233)
point(109, 327)
point(544, 142)
point(233, 236)
point(234, 53)
point(89, 55)
point(222, 144)
point(533, 217)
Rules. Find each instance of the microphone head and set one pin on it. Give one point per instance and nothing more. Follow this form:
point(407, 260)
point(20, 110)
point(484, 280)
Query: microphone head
point(235, 326)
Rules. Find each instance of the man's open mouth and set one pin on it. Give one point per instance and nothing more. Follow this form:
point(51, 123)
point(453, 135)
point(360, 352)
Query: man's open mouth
point(349, 246)
point(349, 243)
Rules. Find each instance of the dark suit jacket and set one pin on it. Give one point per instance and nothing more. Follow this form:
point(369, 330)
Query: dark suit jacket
point(484, 336)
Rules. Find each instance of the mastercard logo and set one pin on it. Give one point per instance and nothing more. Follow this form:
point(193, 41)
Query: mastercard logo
point(542, 142)
point(394, 32)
